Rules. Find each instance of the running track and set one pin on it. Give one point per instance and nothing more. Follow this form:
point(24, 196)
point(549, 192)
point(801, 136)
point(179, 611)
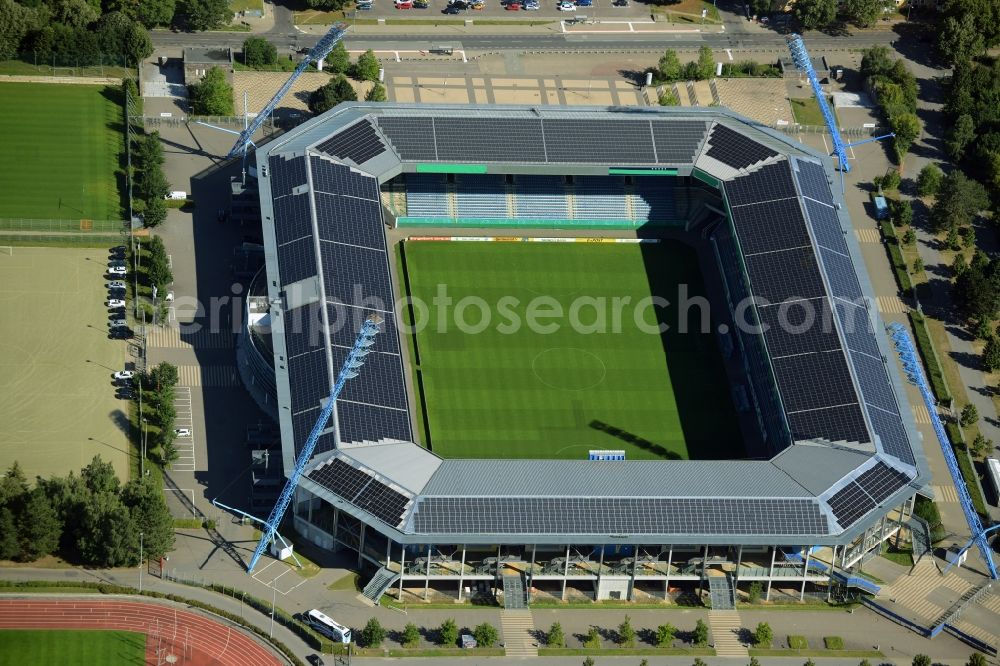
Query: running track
point(191, 638)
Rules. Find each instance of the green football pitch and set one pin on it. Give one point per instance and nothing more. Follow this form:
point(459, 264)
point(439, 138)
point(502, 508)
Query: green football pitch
point(530, 386)
point(60, 151)
point(51, 647)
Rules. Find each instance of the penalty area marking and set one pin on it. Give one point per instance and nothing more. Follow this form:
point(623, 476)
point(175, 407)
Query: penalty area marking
point(534, 239)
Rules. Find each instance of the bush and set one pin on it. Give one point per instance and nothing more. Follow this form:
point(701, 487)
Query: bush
point(833, 642)
point(373, 634)
point(447, 634)
point(367, 67)
point(593, 640)
point(555, 637)
point(410, 636)
point(755, 592)
point(798, 642)
point(921, 660)
point(665, 634)
point(258, 52)
point(891, 180)
point(763, 635)
point(626, 634)
point(929, 180)
point(700, 633)
point(486, 635)
point(669, 98)
point(969, 416)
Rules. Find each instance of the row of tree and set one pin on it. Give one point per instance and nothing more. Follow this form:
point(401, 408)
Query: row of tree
point(90, 518)
point(895, 88)
point(71, 30)
point(157, 388)
point(374, 634)
point(814, 14)
point(670, 68)
point(339, 89)
point(973, 116)
point(149, 182)
point(625, 635)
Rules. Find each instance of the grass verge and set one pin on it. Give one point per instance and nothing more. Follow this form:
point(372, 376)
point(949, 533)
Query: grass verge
point(623, 651)
point(351, 581)
point(776, 652)
point(925, 346)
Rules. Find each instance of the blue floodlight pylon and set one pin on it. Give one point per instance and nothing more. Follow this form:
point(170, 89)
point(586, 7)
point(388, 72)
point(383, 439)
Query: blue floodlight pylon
point(804, 64)
point(355, 359)
point(915, 373)
point(318, 52)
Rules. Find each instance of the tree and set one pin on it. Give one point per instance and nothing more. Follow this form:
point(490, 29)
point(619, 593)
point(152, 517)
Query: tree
point(39, 528)
point(411, 635)
point(163, 375)
point(377, 94)
point(706, 62)
point(968, 235)
point(16, 21)
point(876, 60)
point(959, 40)
point(698, 661)
point(486, 634)
point(918, 265)
point(331, 94)
point(977, 291)
point(327, 4)
point(203, 14)
point(910, 237)
point(969, 416)
point(626, 634)
point(976, 659)
point(9, 547)
point(150, 183)
point(952, 241)
point(373, 634)
point(958, 265)
point(74, 13)
point(213, 96)
point(754, 662)
point(555, 637)
point(991, 354)
point(865, 662)
point(921, 660)
point(814, 14)
point(151, 515)
point(99, 477)
point(117, 33)
point(448, 633)
point(959, 200)
point(152, 13)
point(155, 212)
point(258, 52)
point(763, 635)
point(929, 180)
point(700, 633)
point(907, 129)
point(367, 67)
point(339, 60)
point(902, 213)
point(670, 66)
point(593, 639)
point(755, 592)
point(665, 634)
point(980, 445)
point(961, 134)
point(13, 485)
point(809, 662)
point(108, 535)
point(588, 661)
point(863, 13)
point(669, 98)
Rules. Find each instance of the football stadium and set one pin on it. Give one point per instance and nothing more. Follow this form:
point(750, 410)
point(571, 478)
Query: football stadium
point(624, 353)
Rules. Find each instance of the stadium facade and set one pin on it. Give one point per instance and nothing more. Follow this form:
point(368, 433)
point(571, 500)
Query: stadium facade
point(839, 457)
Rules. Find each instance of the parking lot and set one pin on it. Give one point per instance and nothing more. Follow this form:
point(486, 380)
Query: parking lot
point(500, 9)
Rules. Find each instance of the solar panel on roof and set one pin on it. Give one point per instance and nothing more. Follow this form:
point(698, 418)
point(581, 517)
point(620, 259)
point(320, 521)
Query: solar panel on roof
point(600, 141)
point(308, 380)
point(345, 322)
point(850, 504)
point(774, 225)
point(359, 423)
point(350, 220)
point(812, 381)
point(813, 182)
point(383, 385)
point(736, 150)
point(789, 274)
point(826, 226)
point(341, 478)
point(881, 481)
point(769, 183)
point(874, 382)
point(340, 179)
point(356, 276)
point(302, 425)
point(676, 141)
point(489, 139)
point(892, 434)
point(840, 423)
point(286, 174)
point(292, 218)
point(358, 143)
point(608, 515)
point(413, 138)
point(798, 328)
point(303, 329)
point(297, 260)
point(382, 502)
point(843, 279)
point(856, 325)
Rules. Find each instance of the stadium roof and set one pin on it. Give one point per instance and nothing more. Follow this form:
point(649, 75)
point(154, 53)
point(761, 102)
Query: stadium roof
point(856, 449)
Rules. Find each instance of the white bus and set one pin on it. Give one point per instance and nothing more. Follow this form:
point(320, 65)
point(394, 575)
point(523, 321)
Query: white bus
point(993, 470)
point(326, 626)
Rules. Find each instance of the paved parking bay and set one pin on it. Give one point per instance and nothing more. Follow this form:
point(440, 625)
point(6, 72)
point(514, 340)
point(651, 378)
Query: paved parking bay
point(495, 9)
point(186, 461)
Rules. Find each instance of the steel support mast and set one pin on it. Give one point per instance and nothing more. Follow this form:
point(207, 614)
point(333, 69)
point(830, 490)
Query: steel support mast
point(804, 64)
point(318, 52)
point(353, 363)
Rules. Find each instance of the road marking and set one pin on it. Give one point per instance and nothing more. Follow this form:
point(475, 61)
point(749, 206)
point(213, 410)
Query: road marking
point(892, 304)
point(173, 337)
point(186, 461)
point(921, 415)
point(868, 235)
point(946, 493)
point(729, 52)
point(208, 375)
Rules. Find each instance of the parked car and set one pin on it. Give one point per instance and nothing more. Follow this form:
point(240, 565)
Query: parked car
point(421, 4)
point(620, 3)
point(513, 6)
point(531, 6)
point(182, 432)
point(567, 7)
point(365, 6)
point(118, 323)
point(169, 298)
point(451, 9)
point(124, 374)
point(120, 333)
point(584, 3)
point(117, 270)
point(116, 284)
point(404, 4)
point(116, 303)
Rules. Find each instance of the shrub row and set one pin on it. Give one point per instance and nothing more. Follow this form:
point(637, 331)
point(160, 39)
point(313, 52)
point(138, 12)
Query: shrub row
point(107, 588)
point(896, 258)
point(935, 376)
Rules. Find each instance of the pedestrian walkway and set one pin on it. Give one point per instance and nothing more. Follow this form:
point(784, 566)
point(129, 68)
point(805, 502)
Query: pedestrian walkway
point(185, 337)
point(726, 628)
point(208, 375)
point(920, 594)
point(518, 629)
point(868, 235)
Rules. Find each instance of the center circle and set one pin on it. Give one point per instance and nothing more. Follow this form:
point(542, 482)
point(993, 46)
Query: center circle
point(549, 367)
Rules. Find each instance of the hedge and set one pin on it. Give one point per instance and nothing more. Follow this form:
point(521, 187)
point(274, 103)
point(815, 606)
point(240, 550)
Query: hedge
point(107, 588)
point(896, 258)
point(925, 347)
point(967, 469)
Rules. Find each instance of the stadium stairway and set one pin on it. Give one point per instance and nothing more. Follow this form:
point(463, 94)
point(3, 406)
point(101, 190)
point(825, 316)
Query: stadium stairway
point(721, 592)
point(379, 583)
point(514, 597)
point(726, 628)
point(518, 627)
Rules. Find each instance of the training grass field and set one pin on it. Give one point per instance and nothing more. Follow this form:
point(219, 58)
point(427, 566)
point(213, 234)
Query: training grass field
point(508, 391)
point(60, 150)
point(59, 408)
point(57, 647)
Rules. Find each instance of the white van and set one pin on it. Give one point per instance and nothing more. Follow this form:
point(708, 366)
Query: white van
point(177, 195)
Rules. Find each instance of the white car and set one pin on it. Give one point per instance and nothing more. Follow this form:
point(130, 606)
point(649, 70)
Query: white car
point(117, 270)
point(116, 284)
point(169, 298)
point(567, 7)
point(182, 432)
point(116, 303)
point(118, 323)
point(124, 374)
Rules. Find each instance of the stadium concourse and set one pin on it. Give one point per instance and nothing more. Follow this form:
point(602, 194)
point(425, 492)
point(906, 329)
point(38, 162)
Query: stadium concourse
point(831, 458)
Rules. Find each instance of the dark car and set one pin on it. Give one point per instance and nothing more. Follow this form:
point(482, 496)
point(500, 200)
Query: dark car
point(451, 9)
point(315, 659)
point(421, 4)
point(620, 3)
point(120, 333)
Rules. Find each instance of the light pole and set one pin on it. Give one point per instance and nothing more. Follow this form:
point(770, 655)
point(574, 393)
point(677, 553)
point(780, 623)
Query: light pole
point(274, 592)
point(142, 461)
point(140, 562)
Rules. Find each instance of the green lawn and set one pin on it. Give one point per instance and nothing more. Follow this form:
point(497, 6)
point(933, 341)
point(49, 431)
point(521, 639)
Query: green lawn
point(71, 648)
point(60, 150)
point(528, 392)
point(806, 111)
